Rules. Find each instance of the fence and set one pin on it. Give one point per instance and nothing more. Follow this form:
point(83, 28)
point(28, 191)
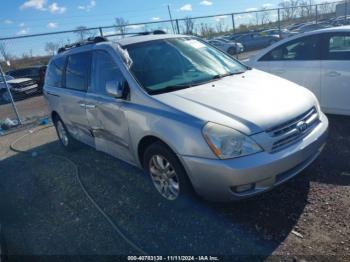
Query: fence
point(28, 50)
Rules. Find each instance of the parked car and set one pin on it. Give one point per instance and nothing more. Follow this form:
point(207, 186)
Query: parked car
point(254, 41)
point(311, 27)
point(36, 73)
point(285, 33)
point(20, 88)
point(191, 116)
point(342, 20)
point(318, 60)
point(227, 46)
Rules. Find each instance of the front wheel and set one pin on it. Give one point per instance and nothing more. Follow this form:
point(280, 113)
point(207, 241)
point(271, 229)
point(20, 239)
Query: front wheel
point(167, 173)
point(232, 51)
point(5, 96)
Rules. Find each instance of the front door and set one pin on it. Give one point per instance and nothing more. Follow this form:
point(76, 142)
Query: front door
point(106, 114)
point(297, 61)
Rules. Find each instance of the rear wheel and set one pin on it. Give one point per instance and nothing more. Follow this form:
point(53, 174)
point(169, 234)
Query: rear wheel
point(68, 142)
point(167, 173)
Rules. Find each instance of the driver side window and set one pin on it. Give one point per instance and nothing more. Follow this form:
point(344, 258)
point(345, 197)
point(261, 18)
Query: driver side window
point(302, 49)
point(104, 69)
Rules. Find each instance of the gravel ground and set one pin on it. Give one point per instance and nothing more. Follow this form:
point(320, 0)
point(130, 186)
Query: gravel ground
point(44, 211)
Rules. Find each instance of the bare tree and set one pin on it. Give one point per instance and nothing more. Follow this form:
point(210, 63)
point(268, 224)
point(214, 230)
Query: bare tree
point(82, 33)
point(4, 51)
point(289, 9)
point(265, 16)
point(51, 48)
point(205, 30)
point(189, 26)
point(121, 25)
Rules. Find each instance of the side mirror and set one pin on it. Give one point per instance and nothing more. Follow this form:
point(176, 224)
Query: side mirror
point(116, 89)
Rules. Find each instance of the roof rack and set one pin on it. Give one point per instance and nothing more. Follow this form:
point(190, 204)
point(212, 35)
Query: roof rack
point(155, 32)
point(89, 41)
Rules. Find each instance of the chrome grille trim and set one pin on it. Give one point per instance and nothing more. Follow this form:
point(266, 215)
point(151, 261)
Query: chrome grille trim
point(289, 132)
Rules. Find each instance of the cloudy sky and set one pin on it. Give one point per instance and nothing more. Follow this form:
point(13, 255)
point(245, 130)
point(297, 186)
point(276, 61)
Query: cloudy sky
point(19, 17)
point(25, 17)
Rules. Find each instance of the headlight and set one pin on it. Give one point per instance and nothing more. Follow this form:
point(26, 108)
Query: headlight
point(228, 143)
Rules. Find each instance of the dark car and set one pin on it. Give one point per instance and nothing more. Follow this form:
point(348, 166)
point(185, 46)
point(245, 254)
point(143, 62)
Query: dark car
point(254, 41)
point(37, 73)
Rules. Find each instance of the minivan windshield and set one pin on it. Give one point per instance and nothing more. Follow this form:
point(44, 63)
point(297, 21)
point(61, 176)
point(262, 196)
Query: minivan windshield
point(167, 65)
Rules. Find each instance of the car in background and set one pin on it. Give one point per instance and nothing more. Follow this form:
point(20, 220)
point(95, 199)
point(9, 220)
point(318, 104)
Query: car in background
point(19, 87)
point(341, 20)
point(227, 46)
point(254, 41)
point(36, 73)
point(285, 33)
point(311, 27)
point(318, 60)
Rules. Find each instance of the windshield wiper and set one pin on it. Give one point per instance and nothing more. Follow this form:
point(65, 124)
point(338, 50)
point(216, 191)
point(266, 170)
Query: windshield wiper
point(219, 76)
point(168, 89)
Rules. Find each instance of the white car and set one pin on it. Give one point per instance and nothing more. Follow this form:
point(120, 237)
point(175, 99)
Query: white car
point(318, 60)
point(227, 46)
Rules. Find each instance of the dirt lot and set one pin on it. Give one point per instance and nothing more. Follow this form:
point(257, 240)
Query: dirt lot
point(44, 211)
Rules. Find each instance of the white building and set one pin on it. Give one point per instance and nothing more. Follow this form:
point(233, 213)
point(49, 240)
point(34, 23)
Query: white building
point(343, 9)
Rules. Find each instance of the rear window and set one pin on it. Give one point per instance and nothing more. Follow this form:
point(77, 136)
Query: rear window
point(55, 72)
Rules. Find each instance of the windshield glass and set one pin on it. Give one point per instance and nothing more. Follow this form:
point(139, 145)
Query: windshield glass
point(7, 77)
point(171, 64)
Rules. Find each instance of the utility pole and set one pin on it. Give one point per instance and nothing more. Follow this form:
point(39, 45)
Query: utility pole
point(171, 19)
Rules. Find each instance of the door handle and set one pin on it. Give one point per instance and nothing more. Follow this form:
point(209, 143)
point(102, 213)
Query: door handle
point(90, 106)
point(333, 74)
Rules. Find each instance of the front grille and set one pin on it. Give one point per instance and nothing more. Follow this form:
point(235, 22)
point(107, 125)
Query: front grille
point(293, 130)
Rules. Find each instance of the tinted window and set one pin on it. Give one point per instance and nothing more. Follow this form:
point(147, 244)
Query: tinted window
point(338, 47)
point(305, 48)
point(78, 70)
point(104, 69)
point(170, 64)
point(55, 72)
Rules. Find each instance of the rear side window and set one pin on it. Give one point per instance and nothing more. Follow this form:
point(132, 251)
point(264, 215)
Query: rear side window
point(338, 47)
point(302, 49)
point(78, 71)
point(55, 72)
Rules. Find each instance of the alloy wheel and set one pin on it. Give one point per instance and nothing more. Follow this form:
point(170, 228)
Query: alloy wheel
point(62, 133)
point(164, 177)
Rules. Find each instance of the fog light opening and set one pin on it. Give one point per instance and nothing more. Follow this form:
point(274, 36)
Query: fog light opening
point(243, 188)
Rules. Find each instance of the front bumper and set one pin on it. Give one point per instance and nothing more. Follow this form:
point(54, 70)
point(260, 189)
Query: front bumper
point(216, 179)
point(25, 91)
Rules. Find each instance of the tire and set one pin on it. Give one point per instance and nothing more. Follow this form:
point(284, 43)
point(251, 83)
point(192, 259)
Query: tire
point(5, 96)
point(158, 154)
point(65, 138)
point(232, 51)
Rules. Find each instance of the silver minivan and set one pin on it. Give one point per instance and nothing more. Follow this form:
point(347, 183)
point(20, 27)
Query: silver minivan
point(194, 118)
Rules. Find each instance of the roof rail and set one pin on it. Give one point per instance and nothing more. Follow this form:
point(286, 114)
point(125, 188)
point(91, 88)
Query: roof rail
point(89, 41)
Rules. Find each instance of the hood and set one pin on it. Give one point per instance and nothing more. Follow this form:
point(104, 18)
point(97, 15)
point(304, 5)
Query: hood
point(251, 102)
point(18, 80)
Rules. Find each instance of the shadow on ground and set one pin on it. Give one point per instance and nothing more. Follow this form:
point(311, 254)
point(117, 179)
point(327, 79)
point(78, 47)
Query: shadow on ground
point(44, 211)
